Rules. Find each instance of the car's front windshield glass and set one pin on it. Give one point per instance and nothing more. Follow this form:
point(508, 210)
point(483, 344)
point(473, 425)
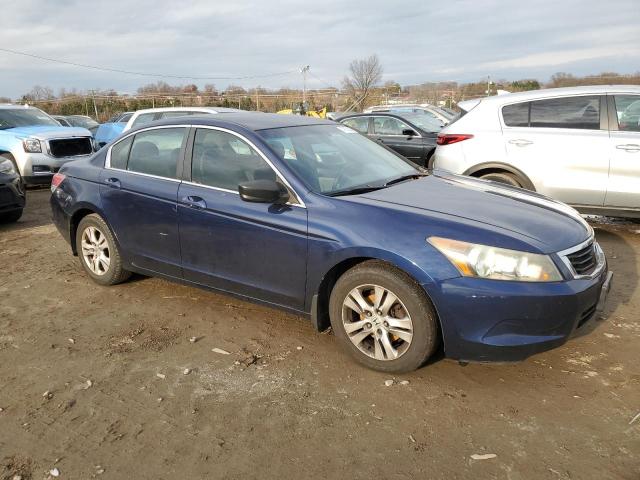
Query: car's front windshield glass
point(334, 159)
point(24, 117)
point(83, 122)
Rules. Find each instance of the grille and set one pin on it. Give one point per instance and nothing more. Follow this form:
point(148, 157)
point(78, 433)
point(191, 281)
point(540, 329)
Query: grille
point(70, 147)
point(584, 261)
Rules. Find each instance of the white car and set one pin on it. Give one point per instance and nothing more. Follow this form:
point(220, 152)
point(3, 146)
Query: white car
point(142, 117)
point(579, 145)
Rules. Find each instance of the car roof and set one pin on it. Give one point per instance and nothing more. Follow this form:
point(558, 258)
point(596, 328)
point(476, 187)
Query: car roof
point(249, 120)
point(556, 92)
point(184, 109)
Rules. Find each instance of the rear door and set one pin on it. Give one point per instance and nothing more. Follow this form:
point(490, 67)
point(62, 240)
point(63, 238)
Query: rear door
point(139, 197)
point(388, 131)
point(624, 176)
point(562, 145)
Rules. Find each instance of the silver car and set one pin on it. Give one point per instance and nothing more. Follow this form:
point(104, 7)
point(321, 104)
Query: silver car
point(579, 145)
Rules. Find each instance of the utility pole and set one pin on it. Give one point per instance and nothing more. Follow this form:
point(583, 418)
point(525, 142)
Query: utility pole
point(304, 71)
point(489, 82)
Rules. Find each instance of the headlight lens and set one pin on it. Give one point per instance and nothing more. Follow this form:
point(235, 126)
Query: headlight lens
point(473, 260)
point(6, 166)
point(32, 145)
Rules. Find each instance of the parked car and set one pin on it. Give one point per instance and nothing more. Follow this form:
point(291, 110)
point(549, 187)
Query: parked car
point(110, 129)
point(435, 113)
point(580, 145)
point(81, 121)
point(309, 216)
point(37, 144)
point(412, 135)
point(142, 117)
point(12, 195)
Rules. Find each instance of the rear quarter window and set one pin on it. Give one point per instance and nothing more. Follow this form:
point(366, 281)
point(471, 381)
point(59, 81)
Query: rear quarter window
point(516, 115)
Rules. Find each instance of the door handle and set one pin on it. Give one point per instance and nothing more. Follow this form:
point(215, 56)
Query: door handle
point(193, 201)
point(629, 147)
point(379, 140)
point(113, 182)
point(520, 142)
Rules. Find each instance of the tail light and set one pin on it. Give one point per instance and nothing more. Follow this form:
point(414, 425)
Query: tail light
point(449, 138)
point(57, 179)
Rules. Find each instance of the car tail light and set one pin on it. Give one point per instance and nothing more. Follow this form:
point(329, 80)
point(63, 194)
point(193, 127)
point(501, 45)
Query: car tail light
point(448, 139)
point(57, 179)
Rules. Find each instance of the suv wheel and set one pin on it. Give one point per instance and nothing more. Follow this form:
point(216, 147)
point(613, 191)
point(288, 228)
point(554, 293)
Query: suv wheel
point(506, 178)
point(383, 318)
point(98, 251)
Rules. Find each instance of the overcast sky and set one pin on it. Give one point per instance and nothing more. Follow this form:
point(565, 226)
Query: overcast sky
point(417, 41)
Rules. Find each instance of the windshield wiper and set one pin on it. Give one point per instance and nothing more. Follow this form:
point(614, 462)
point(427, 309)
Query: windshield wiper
point(356, 191)
point(413, 176)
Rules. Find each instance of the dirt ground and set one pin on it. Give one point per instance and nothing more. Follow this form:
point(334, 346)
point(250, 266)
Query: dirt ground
point(106, 383)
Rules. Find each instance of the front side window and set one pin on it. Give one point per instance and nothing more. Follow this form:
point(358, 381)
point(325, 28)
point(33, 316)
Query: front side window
point(389, 126)
point(156, 152)
point(628, 112)
point(222, 160)
point(567, 112)
point(330, 159)
point(361, 124)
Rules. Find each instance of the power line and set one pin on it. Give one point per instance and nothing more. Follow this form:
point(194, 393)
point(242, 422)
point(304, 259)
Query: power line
point(144, 74)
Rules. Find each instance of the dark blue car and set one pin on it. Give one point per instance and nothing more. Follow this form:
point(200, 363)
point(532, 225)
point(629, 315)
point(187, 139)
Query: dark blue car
point(314, 218)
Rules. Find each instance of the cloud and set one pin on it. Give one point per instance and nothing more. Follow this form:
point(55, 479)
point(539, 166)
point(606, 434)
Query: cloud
point(416, 40)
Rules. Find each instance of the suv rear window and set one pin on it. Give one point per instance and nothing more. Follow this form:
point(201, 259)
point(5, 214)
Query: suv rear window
point(516, 115)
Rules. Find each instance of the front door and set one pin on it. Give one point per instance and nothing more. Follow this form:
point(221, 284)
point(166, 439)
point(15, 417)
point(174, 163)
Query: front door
point(388, 131)
point(257, 250)
point(624, 177)
point(139, 189)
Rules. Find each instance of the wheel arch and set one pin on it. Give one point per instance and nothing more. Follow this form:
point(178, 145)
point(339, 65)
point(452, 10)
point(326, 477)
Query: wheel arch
point(76, 217)
point(498, 167)
point(320, 299)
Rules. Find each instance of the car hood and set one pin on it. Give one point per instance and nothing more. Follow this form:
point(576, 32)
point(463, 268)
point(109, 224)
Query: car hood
point(553, 225)
point(48, 132)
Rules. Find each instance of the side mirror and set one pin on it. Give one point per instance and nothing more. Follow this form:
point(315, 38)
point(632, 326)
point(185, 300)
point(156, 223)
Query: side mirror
point(263, 191)
point(409, 132)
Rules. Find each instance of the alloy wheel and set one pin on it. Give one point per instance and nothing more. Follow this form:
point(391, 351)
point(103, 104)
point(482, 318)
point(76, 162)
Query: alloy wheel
point(95, 250)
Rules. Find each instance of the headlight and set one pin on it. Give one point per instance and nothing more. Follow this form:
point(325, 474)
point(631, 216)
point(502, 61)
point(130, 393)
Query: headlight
point(6, 166)
point(483, 261)
point(32, 145)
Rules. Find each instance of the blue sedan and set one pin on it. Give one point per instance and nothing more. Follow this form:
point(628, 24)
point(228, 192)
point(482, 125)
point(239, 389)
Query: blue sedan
point(312, 217)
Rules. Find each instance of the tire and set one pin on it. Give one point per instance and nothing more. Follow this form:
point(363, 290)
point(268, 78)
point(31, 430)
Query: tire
point(506, 178)
point(11, 217)
point(107, 269)
point(412, 303)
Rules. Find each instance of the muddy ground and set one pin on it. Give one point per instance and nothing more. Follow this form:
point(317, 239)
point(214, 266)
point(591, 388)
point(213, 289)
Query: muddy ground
point(93, 384)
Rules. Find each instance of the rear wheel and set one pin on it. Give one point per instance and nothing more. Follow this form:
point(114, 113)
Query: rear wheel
point(503, 177)
point(383, 318)
point(98, 251)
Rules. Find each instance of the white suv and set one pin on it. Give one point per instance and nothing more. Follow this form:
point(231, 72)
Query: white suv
point(142, 117)
point(579, 145)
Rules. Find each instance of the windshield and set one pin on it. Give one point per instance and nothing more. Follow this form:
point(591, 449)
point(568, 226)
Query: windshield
point(24, 117)
point(84, 122)
point(334, 159)
point(425, 122)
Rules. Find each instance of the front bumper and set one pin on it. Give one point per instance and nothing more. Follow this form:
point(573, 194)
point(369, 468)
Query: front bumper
point(39, 168)
point(492, 320)
point(12, 196)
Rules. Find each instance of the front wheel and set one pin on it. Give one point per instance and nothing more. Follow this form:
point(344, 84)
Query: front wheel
point(98, 251)
point(383, 318)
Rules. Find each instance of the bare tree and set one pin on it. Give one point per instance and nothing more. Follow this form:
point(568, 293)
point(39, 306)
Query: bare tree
point(39, 92)
point(364, 74)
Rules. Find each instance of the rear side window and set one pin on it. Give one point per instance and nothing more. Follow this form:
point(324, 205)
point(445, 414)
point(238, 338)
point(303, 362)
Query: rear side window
point(182, 113)
point(361, 124)
point(222, 160)
point(628, 112)
point(120, 153)
point(516, 115)
point(568, 112)
point(156, 152)
point(143, 119)
point(388, 126)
